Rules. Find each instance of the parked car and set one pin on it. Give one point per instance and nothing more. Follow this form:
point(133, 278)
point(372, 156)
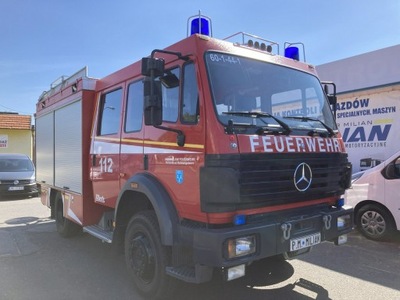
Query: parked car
point(17, 175)
point(375, 196)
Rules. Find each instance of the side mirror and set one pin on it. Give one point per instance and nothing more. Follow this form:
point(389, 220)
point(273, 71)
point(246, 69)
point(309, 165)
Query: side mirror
point(169, 80)
point(332, 99)
point(152, 68)
point(152, 101)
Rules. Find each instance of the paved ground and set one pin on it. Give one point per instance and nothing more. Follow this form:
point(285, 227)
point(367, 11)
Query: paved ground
point(36, 263)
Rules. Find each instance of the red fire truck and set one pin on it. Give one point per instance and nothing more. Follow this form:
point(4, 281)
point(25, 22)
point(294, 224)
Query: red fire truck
point(207, 155)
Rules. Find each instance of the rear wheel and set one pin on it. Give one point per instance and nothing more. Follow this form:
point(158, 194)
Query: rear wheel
point(65, 227)
point(146, 258)
point(374, 222)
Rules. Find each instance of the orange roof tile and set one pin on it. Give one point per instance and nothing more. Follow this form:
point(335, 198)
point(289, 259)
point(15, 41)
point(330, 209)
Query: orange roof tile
point(14, 121)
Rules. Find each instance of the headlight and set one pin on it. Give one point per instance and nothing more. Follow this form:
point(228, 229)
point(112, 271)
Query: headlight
point(242, 246)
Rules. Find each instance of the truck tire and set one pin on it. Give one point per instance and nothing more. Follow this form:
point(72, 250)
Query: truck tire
point(146, 258)
point(66, 228)
point(374, 222)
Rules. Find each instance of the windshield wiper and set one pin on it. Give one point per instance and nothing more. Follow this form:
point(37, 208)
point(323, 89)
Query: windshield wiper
point(260, 114)
point(305, 119)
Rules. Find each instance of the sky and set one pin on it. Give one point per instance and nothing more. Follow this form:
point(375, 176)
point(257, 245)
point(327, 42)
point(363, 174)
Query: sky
point(42, 40)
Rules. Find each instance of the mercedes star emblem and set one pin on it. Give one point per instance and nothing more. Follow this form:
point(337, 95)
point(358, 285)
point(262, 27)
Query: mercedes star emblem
point(302, 177)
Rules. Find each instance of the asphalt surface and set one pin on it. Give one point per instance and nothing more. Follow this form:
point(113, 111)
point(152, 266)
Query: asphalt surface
point(36, 263)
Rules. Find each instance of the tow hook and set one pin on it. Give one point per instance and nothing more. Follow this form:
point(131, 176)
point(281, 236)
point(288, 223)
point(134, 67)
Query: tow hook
point(327, 221)
point(286, 227)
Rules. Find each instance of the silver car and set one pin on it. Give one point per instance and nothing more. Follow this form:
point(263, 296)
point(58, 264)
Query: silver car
point(17, 176)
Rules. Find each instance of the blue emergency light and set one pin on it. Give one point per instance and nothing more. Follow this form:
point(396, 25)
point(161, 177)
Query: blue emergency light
point(340, 202)
point(239, 220)
point(292, 52)
point(200, 24)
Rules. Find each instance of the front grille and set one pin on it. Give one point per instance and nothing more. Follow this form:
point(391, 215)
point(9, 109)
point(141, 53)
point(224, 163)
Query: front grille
point(268, 179)
point(272, 180)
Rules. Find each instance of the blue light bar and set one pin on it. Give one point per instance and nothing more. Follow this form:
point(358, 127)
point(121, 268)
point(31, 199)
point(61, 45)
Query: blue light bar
point(200, 25)
point(292, 52)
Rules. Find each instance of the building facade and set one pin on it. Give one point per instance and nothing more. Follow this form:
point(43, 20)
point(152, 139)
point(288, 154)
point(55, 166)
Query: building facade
point(16, 133)
point(368, 109)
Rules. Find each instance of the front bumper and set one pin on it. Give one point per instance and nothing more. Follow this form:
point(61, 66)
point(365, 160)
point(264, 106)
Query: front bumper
point(271, 239)
point(7, 190)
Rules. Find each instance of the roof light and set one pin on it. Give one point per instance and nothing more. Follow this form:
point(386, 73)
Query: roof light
point(292, 52)
point(258, 45)
point(200, 24)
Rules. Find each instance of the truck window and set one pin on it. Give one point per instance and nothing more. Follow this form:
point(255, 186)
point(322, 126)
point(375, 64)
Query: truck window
point(190, 101)
point(171, 100)
point(110, 110)
point(294, 103)
point(243, 85)
point(134, 107)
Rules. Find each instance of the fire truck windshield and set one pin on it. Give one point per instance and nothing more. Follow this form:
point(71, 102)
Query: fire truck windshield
point(242, 87)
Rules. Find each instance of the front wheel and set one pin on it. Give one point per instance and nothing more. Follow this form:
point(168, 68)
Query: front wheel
point(374, 222)
point(146, 258)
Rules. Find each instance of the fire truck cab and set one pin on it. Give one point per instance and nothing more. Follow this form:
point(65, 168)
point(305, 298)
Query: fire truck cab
point(209, 154)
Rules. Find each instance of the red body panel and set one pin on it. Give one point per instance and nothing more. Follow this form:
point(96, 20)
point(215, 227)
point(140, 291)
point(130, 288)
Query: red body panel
point(123, 153)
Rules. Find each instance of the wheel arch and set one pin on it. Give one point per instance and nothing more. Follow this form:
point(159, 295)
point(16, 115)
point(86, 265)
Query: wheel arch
point(142, 192)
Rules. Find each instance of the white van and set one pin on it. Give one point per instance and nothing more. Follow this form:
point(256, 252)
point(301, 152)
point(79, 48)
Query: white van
point(375, 196)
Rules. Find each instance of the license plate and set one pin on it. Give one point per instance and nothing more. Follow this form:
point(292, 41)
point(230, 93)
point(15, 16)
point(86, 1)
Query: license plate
point(305, 241)
point(16, 188)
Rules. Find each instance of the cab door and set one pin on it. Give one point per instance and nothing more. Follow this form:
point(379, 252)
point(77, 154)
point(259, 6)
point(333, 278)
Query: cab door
point(105, 148)
point(178, 166)
point(132, 157)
